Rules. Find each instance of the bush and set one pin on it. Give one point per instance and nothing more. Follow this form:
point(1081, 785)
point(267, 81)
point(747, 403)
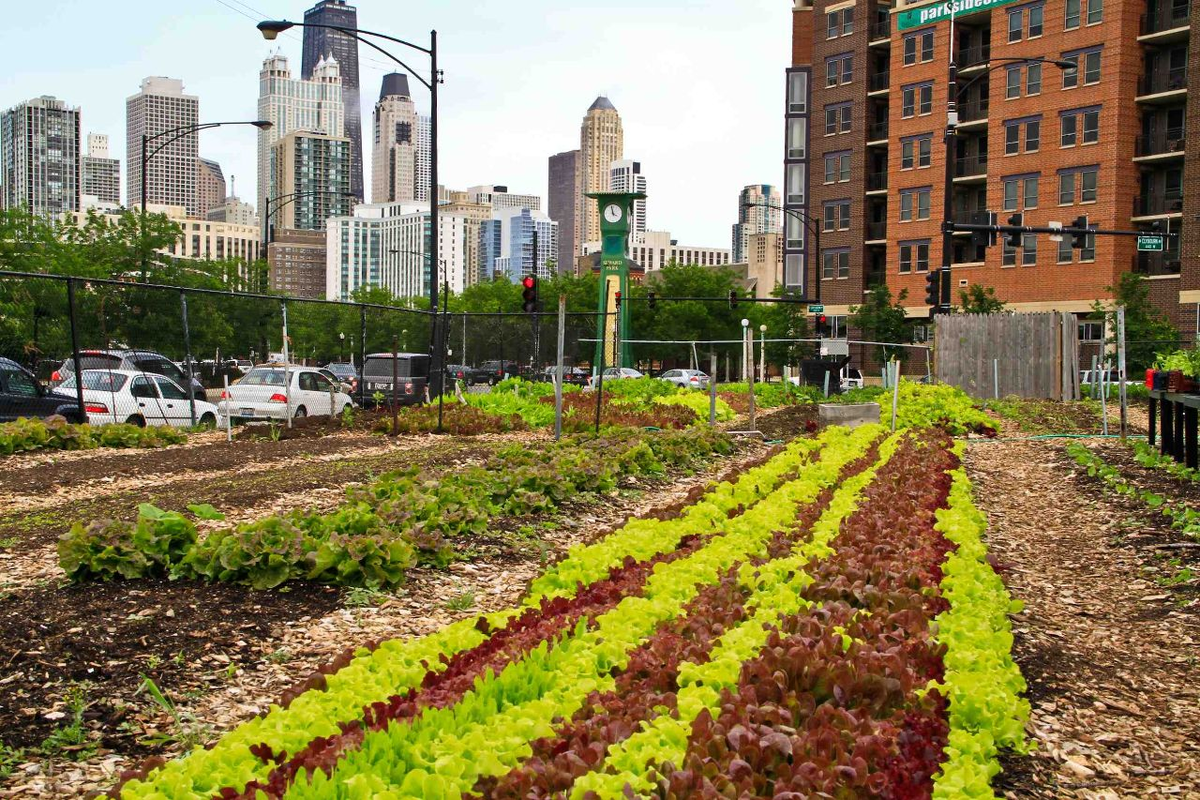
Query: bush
point(55, 433)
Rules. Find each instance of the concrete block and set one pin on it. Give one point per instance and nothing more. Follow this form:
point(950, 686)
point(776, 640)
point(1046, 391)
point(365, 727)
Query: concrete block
point(849, 415)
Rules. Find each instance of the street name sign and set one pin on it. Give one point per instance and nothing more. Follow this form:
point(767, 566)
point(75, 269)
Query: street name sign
point(1150, 244)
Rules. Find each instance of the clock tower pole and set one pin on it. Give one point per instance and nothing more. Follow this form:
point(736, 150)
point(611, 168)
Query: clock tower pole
point(612, 323)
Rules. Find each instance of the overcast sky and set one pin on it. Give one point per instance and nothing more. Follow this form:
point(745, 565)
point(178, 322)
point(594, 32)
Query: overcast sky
point(699, 83)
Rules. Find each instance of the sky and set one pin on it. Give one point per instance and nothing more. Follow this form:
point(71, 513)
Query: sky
point(699, 84)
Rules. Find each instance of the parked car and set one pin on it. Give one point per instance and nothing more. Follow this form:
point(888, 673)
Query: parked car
point(492, 372)
point(277, 391)
point(137, 398)
point(243, 365)
point(457, 372)
point(22, 395)
point(347, 380)
point(617, 373)
point(685, 378)
point(411, 369)
point(136, 360)
point(576, 376)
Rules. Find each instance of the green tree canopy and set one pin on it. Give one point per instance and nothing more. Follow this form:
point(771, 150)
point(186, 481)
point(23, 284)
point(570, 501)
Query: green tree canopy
point(1148, 332)
point(980, 299)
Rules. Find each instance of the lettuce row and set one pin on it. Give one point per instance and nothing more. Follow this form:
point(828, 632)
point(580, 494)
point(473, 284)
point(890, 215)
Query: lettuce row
point(776, 588)
point(444, 751)
point(398, 665)
point(984, 686)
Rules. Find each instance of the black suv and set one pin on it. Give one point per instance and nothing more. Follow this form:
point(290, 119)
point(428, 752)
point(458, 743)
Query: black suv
point(21, 395)
point(411, 369)
point(492, 372)
point(138, 360)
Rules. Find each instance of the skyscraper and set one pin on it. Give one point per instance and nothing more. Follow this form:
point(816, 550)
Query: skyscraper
point(564, 205)
point(316, 168)
point(210, 186)
point(506, 244)
point(100, 174)
point(601, 142)
point(321, 43)
point(400, 158)
point(291, 104)
point(39, 157)
point(627, 176)
point(161, 105)
point(759, 211)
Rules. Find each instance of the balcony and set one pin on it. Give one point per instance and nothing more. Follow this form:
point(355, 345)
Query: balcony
point(973, 111)
point(881, 31)
point(1167, 24)
point(1163, 86)
point(1158, 204)
point(877, 181)
point(970, 168)
point(878, 132)
point(1157, 263)
point(973, 57)
point(1160, 146)
point(878, 82)
point(876, 232)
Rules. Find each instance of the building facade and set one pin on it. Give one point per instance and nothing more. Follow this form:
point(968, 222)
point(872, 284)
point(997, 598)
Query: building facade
point(39, 157)
point(656, 249)
point(210, 186)
point(601, 142)
point(386, 245)
point(498, 197)
point(1103, 139)
point(100, 173)
point(235, 211)
point(315, 169)
point(760, 210)
point(296, 263)
point(458, 204)
point(320, 44)
point(627, 176)
point(517, 242)
point(290, 105)
point(172, 172)
point(402, 148)
point(564, 205)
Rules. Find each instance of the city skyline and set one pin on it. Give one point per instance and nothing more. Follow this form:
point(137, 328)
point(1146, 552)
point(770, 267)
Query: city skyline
point(491, 64)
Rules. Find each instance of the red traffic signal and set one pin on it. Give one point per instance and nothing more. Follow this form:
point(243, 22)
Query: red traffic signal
point(529, 295)
point(618, 298)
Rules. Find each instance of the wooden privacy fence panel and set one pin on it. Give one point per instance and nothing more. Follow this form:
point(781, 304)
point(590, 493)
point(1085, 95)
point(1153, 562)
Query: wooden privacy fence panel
point(1030, 355)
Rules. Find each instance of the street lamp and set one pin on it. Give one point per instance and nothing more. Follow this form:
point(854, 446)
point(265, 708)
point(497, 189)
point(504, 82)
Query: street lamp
point(179, 132)
point(762, 353)
point(813, 226)
point(952, 132)
point(342, 344)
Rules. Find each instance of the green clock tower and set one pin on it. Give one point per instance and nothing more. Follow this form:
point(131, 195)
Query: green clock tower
point(616, 210)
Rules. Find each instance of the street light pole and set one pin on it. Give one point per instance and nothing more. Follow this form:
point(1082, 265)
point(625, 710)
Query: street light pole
point(810, 224)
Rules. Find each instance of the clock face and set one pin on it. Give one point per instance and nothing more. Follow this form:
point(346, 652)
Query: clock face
point(612, 212)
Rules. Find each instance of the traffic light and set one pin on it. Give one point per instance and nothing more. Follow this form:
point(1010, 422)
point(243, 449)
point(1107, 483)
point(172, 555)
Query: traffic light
point(984, 238)
point(530, 294)
point(652, 300)
point(618, 298)
point(822, 325)
point(733, 298)
point(1082, 241)
point(933, 287)
point(1013, 238)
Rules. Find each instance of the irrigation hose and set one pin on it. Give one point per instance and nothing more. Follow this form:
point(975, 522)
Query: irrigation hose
point(1059, 436)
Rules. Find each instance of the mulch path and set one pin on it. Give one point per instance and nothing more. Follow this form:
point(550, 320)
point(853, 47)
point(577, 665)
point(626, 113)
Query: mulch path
point(1111, 656)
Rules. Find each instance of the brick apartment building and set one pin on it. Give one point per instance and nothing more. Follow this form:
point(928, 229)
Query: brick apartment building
point(865, 152)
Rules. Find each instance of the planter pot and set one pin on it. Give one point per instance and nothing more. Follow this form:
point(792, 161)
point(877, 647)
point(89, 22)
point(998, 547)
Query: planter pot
point(1160, 381)
point(1175, 381)
point(1150, 378)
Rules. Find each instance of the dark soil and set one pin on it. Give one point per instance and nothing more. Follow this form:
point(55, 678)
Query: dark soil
point(105, 637)
point(1040, 417)
point(231, 490)
point(362, 421)
point(782, 424)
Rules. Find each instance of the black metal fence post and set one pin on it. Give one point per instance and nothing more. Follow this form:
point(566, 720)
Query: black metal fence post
point(75, 348)
point(187, 357)
point(362, 357)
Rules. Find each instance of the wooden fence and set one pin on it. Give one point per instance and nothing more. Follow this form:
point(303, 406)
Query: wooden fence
point(1028, 355)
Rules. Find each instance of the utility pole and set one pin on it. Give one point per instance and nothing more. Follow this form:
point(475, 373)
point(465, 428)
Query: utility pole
point(951, 152)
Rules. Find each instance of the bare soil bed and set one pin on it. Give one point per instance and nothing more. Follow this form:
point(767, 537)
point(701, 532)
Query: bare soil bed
point(1109, 650)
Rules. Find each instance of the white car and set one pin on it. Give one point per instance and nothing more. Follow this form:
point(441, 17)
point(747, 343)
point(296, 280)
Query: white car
point(616, 373)
point(264, 394)
point(138, 398)
point(685, 378)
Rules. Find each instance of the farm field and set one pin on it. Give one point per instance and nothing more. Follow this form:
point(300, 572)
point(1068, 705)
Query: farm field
point(857, 613)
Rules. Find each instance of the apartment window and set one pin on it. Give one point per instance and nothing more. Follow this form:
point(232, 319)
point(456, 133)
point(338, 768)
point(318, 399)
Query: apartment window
point(1015, 24)
point(1080, 125)
point(914, 256)
point(923, 203)
point(837, 118)
point(1036, 19)
point(836, 215)
point(1031, 192)
point(1066, 255)
point(797, 137)
point(916, 151)
point(793, 269)
point(839, 69)
point(1009, 256)
point(914, 204)
point(795, 184)
point(1012, 139)
point(839, 23)
point(1033, 79)
point(835, 263)
point(795, 232)
point(1033, 135)
point(1012, 83)
point(1071, 18)
point(798, 92)
point(1095, 11)
point(918, 47)
point(837, 167)
point(1091, 68)
point(916, 99)
point(1012, 135)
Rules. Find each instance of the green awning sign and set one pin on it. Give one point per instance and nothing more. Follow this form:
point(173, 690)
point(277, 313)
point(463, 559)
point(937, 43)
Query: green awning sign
point(936, 12)
point(1152, 243)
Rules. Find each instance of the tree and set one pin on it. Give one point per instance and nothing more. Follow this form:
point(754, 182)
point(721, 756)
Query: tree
point(883, 320)
point(1148, 332)
point(980, 299)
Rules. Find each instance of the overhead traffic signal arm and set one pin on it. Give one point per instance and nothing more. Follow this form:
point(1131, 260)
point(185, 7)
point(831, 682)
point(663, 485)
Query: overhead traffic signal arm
point(1013, 230)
